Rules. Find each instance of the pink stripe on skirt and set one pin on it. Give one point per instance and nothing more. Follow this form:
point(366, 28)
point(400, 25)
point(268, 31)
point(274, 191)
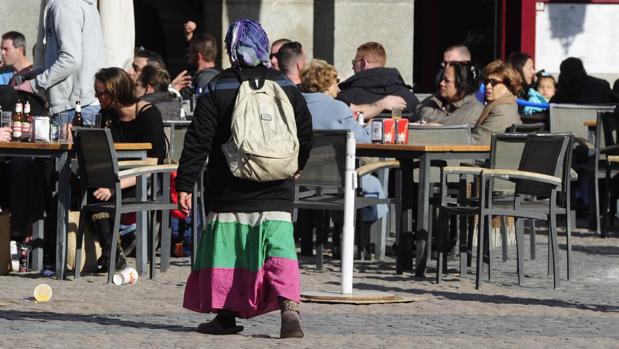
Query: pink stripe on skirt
point(242, 291)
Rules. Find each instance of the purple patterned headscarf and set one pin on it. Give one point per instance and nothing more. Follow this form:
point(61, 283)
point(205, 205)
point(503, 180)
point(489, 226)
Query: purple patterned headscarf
point(247, 44)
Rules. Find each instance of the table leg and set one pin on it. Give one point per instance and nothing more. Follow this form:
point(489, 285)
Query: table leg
point(166, 238)
point(141, 246)
point(404, 209)
point(37, 244)
point(423, 238)
point(64, 204)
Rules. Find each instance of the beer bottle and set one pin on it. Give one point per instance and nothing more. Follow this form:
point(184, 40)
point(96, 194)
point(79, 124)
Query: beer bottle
point(26, 124)
point(17, 119)
point(77, 119)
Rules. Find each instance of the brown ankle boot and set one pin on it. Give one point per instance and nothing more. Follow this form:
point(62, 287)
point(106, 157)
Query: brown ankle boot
point(291, 320)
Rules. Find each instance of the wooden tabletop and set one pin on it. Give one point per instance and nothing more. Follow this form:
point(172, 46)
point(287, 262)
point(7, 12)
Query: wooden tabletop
point(590, 123)
point(66, 146)
point(456, 148)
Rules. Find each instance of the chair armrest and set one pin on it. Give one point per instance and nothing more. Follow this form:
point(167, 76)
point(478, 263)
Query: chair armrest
point(515, 174)
point(612, 158)
point(464, 170)
point(369, 168)
point(610, 150)
point(139, 171)
point(127, 164)
point(584, 142)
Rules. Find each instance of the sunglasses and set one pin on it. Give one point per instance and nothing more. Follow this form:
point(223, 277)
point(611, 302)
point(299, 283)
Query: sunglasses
point(100, 93)
point(492, 82)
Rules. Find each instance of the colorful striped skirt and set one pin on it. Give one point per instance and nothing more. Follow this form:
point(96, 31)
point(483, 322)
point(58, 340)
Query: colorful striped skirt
point(244, 262)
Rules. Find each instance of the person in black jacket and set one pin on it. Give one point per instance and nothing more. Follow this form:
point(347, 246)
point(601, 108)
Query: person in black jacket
point(375, 89)
point(246, 263)
point(576, 86)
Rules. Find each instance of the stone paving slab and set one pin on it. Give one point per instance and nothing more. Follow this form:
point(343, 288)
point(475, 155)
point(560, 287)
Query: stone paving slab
point(584, 313)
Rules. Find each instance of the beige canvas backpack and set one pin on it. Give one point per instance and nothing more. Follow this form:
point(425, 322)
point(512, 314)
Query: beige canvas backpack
point(264, 144)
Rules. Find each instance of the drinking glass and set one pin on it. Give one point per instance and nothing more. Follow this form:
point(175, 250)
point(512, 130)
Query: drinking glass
point(7, 119)
point(396, 113)
point(99, 120)
point(64, 127)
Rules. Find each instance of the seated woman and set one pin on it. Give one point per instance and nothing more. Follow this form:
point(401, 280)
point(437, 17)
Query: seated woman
point(319, 84)
point(525, 66)
point(132, 121)
point(152, 86)
point(503, 84)
point(455, 102)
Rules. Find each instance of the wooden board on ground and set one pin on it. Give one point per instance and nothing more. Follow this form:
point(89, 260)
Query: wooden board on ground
point(357, 297)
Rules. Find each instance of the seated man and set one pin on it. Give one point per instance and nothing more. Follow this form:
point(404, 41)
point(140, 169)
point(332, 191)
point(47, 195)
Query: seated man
point(13, 47)
point(291, 60)
point(275, 46)
point(372, 83)
point(145, 57)
point(142, 58)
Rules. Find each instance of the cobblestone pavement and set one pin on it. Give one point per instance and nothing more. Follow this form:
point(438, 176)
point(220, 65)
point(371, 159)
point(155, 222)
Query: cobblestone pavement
point(583, 313)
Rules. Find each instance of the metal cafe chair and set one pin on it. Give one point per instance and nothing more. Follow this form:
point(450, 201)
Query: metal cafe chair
point(505, 153)
point(321, 185)
point(431, 135)
point(610, 127)
point(570, 118)
point(536, 127)
point(98, 168)
point(175, 132)
point(540, 180)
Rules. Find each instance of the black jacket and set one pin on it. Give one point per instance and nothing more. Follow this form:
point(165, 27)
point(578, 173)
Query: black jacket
point(371, 85)
point(590, 90)
point(211, 127)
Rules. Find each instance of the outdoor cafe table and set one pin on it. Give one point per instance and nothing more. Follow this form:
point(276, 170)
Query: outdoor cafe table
point(406, 154)
point(59, 152)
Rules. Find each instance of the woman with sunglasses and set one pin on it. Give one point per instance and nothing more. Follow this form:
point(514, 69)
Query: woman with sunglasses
point(455, 102)
point(503, 83)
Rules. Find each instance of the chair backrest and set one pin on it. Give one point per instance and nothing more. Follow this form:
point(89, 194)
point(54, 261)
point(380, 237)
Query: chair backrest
point(428, 135)
point(544, 154)
point(505, 153)
point(570, 118)
point(326, 165)
point(535, 127)
point(567, 163)
point(96, 157)
point(176, 140)
point(422, 96)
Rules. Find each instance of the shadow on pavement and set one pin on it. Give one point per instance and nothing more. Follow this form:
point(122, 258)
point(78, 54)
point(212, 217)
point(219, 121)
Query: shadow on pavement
point(89, 318)
point(489, 298)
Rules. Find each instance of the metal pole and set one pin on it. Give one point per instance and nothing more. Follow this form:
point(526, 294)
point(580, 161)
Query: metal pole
point(348, 234)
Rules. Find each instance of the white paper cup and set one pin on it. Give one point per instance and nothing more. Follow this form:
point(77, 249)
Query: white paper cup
point(126, 276)
point(42, 293)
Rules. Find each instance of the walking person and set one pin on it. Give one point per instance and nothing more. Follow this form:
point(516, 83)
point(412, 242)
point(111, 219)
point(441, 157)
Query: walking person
point(246, 263)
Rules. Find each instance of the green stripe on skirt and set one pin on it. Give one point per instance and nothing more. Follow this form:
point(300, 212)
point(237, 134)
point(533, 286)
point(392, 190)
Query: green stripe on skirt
point(231, 244)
